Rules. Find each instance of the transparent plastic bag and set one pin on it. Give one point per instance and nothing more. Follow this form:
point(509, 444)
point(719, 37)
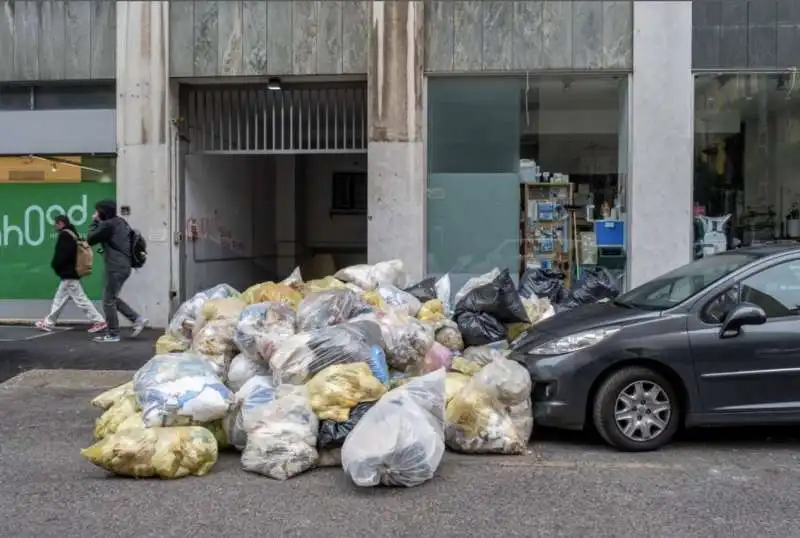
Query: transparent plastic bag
point(368, 277)
point(184, 401)
point(267, 292)
point(181, 325)
point(167, 343)
point(257, 392)
point(112, 396)
point(337, 389)
point(215, 342)
point(431, 311)
point(161, 452)
point(437, 357)
point(453, 384)
point(242, 369)
point(262, 327)
point(165, 368)
point(283, 441)
point(219, 309)
point(304, 355)
point(295, 278)
point(492, 413)
point(446, 333)
point(327, 308)
point(108, 423)
point(400, 440)
point(398, 299)
point(323, 284)
point(405, 339)
point(474, 358)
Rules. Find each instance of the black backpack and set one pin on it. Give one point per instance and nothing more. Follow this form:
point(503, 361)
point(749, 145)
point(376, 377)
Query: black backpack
point(138, 249)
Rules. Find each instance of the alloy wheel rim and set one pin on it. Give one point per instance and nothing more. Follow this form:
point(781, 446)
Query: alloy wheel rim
point(642, 411)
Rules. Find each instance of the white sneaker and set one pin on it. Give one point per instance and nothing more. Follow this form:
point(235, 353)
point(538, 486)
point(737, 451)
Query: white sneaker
point(42, 325)
point(139, 326)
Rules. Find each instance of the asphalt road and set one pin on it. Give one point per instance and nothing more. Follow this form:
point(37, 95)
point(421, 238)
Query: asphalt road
point(715, 483)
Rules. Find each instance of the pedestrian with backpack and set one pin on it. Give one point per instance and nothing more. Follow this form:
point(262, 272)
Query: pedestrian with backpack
point(123, 250)
point(72, 260)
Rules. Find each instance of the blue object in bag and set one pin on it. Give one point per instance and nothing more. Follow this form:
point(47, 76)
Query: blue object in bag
point(377, 364)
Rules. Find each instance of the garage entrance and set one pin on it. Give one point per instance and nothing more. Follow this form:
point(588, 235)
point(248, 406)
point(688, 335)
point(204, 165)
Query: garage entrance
point(272, 179)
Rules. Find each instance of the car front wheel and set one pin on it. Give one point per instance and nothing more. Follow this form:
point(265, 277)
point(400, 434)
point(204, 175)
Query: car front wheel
point(636, 409)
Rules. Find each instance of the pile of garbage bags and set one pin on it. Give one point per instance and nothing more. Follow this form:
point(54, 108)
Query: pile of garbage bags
point(357, 370)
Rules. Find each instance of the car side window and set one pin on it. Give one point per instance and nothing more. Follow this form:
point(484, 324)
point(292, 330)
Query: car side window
point(776, 290)
point(716, 310)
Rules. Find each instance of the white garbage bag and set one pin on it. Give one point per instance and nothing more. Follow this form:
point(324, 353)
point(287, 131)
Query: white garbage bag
point(185, 401)
point(282, 442)
point(256, 393)
point(400, 440)
point(170, 367)
point(242, 369)
point(368, 277)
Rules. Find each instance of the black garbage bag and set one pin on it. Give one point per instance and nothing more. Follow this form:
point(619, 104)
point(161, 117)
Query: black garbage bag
point(480, 328)
point(595, 284)
point(544, 284)
point(332, 434)
point(424, 290)
point(499, 298)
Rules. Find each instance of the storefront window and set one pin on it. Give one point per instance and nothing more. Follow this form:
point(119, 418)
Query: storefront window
point(526, 172)
point(747, 154)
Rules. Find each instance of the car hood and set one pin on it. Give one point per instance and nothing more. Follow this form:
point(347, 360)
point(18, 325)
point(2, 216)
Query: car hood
point(584, 318)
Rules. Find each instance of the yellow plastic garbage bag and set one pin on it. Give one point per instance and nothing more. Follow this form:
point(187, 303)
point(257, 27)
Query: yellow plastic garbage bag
point(112, 396)
point(156, 452)
point(109, 421)
point(338, 388)
point(135, 422)
point(323, 284)
point(230, 308)
point(269, 291)
point(453, 383)
point(132, 422)
point(374, 299)
point(167, 343)
point(432, 310)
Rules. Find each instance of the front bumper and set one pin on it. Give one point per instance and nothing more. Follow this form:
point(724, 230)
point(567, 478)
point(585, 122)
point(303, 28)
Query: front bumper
point(559, 390)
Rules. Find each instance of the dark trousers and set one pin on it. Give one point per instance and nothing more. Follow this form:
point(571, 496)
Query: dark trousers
point(112, 303)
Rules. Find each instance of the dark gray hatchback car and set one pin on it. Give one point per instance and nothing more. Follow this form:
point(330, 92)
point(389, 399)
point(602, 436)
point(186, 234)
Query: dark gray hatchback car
point(715, 342)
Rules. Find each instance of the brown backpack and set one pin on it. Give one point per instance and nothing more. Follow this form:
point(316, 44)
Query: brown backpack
point(84, 256)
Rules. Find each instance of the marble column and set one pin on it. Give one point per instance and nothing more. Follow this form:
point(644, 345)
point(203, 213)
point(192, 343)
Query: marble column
point(661, 140)
point(145, 176)
point(396, 172)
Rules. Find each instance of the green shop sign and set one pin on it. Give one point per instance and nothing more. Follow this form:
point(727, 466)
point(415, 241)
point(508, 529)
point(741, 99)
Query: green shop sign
point(27, 238)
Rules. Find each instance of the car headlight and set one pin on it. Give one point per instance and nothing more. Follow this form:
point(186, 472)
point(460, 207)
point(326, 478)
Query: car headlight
point(573, 342)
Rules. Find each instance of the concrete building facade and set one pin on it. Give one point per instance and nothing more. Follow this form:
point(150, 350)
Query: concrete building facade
point(230, 181)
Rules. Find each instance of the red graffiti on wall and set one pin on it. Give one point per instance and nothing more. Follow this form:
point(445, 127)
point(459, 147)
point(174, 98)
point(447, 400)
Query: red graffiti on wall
point(210, 229)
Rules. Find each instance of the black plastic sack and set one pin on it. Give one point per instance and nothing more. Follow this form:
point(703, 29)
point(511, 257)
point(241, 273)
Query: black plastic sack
point(424, 290)
point(480, 328)
point(499, 298)
point(332, 434)
point(595, 283)
point(544, 284)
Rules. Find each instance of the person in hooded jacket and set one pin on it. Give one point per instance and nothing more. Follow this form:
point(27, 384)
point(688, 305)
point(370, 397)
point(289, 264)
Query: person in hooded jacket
point(112, 232)
point(64, 263)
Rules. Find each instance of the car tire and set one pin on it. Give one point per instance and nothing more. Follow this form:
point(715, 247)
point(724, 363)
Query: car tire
point(607, 404)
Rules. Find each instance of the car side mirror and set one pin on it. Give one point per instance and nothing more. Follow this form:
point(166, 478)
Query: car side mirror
point(741, 315)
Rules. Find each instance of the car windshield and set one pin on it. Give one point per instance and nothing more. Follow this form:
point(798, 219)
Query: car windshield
point(684, 282)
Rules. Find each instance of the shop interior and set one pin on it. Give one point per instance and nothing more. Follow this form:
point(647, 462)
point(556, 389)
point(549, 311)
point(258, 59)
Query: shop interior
point(572, 189)
point(747, 157)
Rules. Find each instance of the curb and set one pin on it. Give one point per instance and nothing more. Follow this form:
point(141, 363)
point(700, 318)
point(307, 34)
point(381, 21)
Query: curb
point(14, 322)
point(68, 379)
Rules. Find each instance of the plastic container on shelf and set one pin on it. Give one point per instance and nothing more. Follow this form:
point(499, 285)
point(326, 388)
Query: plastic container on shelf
point(610, 233)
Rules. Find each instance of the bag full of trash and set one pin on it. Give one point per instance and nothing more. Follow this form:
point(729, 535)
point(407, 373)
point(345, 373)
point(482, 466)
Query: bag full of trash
point(187, 400)
point(405, 339)
point(400, 440)
point(338, 388)
point(323, 284)
point(473, 359)
point(167, 343)
point(115, 415)
point(498, 298)
point(214, 341)
point(262, 327)
point(437, 357)
point(377, 364)
point(424, 290)
point(332, 434)
point(327, 308)
point(446, 333)
point(256, 393)
point(294, 280)
point(165, 368)
point(369, 277)
point(268, 292)
point(299, 358)
point(112, 396)
point(283, 441)
point(453, 383)
point(156, 452)
point(543, 284)
point(432, 310)
point(476, 282)
point(594, 285)
point(537, 310)
point(242, 369)
point(492, 413)
point(398, 299)
point(480, 328)
point(219, 309)
point(181, 326)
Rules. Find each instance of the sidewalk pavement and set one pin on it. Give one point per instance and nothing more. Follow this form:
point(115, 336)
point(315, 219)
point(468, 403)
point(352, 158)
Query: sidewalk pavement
point(26, 348)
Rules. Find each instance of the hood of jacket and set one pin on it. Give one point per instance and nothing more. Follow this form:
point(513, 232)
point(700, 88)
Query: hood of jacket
point(106, 209)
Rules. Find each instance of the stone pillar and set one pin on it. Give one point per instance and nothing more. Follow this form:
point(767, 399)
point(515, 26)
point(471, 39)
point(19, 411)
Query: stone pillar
point(145, 182)
point(661, 139)
point(396, 173)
